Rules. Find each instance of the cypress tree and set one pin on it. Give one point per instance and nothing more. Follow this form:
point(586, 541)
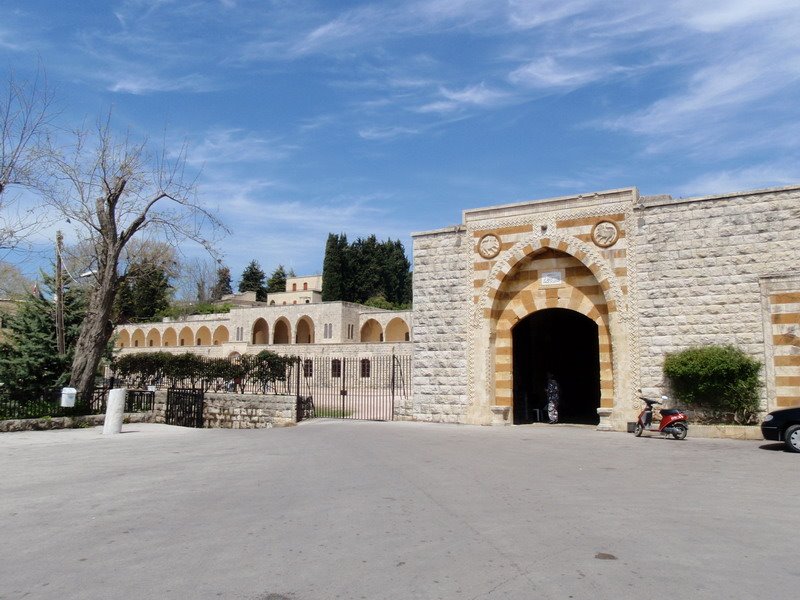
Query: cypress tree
point(335, 269)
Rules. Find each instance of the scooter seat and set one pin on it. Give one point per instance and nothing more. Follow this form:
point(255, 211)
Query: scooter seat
point(669, 411)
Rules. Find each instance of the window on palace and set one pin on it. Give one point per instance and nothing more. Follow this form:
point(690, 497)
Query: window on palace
point(366, 367)
point(308, 368)
point(336, 368)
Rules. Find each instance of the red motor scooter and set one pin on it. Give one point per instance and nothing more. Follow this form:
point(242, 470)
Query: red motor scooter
point(673, 420)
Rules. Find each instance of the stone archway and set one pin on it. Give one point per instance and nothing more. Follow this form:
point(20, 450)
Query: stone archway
point(304, 331)
point(562, 344)
point(546, 279)
point(281, 332)
point(260, 332)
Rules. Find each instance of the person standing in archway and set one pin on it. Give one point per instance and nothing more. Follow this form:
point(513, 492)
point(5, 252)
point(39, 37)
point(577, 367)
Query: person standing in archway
point(553, 393)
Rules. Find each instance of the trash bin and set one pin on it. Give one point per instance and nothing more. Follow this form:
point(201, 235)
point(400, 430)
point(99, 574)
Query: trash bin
point(68, 396)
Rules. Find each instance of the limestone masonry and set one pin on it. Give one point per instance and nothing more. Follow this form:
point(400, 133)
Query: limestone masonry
point(653, 274)
point(593, 290)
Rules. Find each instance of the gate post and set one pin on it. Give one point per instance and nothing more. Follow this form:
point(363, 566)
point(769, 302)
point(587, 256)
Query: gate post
point(115, 408)
point(394, 358)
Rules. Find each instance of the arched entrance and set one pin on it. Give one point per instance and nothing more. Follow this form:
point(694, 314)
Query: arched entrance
point(566, 344)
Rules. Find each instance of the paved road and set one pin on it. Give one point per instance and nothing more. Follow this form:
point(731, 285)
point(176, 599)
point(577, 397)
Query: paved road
point(352, 510)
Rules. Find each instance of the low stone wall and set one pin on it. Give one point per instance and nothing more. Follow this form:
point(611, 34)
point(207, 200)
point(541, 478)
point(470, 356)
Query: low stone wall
point(231, 411)
point(239, 411)
point(45, 423)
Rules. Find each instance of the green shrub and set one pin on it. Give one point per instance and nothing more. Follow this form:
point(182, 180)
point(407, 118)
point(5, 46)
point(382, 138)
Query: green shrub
point(719, 380)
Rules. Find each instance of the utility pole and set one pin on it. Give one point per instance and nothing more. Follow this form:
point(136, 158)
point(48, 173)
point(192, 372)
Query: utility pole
point(59, 295)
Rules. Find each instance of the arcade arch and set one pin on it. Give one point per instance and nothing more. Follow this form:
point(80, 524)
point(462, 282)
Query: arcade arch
point(203, 336)
point(281, 332)
point(137, 339)
point(371, 331)
point(260, 333)
point(170, 338)
point(304, 332)
point(185, 337)
point(397, 330)
point(153, 338)
point(123, 339)
point(221, 335)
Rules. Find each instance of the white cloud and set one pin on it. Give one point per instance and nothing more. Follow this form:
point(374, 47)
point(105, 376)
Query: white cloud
point(224, 146)
point(750, 178)
point(472, 96)
point(546, 72)
point(386, 133)
point(718, 15)
point(146, 84)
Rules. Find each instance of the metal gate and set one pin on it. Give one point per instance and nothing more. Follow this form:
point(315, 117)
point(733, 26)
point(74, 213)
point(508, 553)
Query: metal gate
point(354, 387)
point(184, 407)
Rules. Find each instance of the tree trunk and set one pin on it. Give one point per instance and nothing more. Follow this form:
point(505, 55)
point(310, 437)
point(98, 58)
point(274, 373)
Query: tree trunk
point(96, 331)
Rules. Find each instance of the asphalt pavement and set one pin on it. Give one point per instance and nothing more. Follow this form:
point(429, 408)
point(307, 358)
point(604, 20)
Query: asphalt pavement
point(364, 510)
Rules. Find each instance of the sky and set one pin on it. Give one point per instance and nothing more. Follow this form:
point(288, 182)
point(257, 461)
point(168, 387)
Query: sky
point(306, 117)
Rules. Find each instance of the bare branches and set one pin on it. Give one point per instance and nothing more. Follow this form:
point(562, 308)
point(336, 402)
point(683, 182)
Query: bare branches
point(26, 115)
point(115, 190)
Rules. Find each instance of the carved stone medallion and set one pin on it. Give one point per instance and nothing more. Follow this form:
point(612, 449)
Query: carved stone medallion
point(489, 246)
point(605, 234)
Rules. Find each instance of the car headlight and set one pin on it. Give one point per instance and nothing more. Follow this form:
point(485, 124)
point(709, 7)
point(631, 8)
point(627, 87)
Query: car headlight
point(768, 418)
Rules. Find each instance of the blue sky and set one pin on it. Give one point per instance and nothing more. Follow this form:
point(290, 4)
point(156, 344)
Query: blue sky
point(308, 117)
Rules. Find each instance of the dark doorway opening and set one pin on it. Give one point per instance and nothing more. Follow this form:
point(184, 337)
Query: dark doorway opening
point(565, 343)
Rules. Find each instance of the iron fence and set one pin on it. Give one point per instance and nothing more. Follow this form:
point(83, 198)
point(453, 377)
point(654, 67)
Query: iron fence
point(47, 403)
point(355, 387)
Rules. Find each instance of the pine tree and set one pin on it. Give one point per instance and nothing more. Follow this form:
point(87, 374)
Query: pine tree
point(143, 293)
point(29, 361)
point(253, 281)
point(335, 269)
point(223, 285)
point(277, 281)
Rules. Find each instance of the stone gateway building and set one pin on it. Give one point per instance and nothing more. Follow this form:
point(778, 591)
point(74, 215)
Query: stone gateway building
point(595, 290)
point(592, 290)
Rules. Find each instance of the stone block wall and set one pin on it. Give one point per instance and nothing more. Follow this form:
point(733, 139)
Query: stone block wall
point(239, 411)
point(441, 315)
point(699, 270)
point(222, 411)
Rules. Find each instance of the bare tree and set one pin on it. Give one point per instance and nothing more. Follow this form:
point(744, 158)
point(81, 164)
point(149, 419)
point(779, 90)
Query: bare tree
point(196, 279)
point(113, 191)
point(26, 114)
point(13, 283)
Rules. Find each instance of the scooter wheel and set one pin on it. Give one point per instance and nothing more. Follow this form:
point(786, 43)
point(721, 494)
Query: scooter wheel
point(639, 429)
point(680, 431)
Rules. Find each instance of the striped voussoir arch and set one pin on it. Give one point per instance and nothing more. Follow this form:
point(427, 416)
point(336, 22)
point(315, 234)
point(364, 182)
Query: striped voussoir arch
point(512, 301)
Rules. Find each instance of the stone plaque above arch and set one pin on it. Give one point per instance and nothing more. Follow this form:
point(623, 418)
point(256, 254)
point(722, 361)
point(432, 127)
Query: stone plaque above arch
point(489, 246)
point(605, 234)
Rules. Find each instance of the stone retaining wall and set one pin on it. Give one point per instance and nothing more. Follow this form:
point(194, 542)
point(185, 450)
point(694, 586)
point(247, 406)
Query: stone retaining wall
point(239, 411)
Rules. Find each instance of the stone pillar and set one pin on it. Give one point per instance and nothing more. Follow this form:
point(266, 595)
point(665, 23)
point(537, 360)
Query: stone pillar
point(115, 408)
point(500, 415)
point(605, 419)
